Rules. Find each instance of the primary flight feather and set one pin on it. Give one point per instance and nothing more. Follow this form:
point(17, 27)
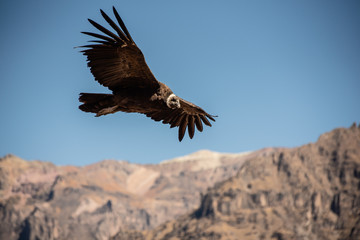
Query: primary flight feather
point(117, 63)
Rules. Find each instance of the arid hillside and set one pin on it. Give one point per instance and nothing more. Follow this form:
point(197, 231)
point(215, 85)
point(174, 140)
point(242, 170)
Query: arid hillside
point(39, 199)
point(310, 192)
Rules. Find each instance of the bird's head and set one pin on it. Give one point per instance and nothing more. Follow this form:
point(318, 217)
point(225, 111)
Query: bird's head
point(173, 101)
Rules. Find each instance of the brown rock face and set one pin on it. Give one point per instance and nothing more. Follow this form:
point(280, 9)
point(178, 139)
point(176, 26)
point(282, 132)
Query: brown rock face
point(310, 192)
point(39, 200)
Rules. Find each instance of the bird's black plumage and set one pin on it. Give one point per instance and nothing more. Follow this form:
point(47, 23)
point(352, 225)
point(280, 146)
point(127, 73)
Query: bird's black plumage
point(118, 64)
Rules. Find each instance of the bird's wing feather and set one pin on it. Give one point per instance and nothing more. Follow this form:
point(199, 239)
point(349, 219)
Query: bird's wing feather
point(115, 60)
point(187, 116)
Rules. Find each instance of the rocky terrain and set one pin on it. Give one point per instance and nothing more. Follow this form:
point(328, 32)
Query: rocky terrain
point(309, 192)
point(39, 200)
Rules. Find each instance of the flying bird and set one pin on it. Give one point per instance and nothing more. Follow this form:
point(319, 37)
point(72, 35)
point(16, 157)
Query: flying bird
point(118, 64)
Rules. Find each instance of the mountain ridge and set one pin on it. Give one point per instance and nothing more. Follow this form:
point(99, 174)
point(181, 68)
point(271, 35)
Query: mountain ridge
point(307, 192)
point(94, 201)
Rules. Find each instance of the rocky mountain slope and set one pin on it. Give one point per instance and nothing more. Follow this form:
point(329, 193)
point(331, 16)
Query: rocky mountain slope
point(39, 200)
point(310, 192)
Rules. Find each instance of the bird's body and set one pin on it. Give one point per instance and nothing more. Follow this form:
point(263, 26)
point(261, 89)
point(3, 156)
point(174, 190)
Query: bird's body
point(117, 63)
point(141, 100)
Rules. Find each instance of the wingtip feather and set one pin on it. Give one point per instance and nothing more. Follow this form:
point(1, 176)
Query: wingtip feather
point(205, 120)
point(122, 24)
point(191, 126)
point(198, 123)
point(182, 128)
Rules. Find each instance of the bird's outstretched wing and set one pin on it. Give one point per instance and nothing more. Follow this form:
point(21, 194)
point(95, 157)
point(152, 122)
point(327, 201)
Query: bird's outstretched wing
point(187, 116)
point(115, 60)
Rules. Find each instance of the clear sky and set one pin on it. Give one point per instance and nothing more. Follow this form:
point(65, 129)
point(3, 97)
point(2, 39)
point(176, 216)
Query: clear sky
point(278, 73)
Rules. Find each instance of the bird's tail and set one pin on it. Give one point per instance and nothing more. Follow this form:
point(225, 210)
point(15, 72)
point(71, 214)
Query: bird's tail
point(98, 103)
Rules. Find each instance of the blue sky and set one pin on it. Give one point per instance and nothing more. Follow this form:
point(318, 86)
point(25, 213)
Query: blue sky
point(278, 73)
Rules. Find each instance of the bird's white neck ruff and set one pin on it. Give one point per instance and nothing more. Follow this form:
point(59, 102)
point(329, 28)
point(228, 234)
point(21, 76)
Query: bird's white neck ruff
point(168, 99)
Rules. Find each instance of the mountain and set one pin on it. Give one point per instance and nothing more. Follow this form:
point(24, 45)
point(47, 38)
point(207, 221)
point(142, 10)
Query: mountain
point(309, 192)
point(39, 200)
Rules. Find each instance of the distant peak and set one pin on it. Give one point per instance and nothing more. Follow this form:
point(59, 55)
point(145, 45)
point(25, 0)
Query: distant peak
point(12, 159)
point(201, 155)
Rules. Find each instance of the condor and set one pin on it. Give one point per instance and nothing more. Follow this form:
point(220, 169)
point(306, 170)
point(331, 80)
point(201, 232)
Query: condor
point(118, 64)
